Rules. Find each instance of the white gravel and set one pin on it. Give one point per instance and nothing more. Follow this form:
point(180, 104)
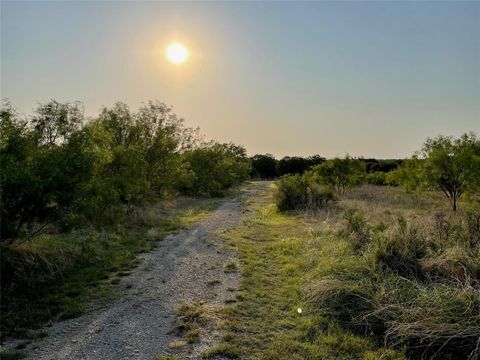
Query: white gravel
point(137, 324)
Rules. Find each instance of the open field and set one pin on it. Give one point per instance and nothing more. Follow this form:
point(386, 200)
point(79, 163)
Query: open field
point(312, 262)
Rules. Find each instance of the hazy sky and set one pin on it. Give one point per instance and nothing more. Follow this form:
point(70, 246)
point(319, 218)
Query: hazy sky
point(365, 78)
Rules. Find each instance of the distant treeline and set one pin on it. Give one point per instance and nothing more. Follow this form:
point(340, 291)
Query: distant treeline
point(265, 166)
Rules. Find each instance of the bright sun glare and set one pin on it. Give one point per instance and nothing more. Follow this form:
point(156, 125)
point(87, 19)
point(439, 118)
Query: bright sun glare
point(177, 53)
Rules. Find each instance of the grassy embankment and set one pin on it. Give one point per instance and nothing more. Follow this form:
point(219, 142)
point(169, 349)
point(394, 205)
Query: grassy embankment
point(58, 275)
point(349, 272)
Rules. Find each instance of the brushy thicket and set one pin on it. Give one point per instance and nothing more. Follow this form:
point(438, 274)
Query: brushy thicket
point(318, 187)
point(265, 166)
point(58, 169)
point(302, 192)
point(71, 188)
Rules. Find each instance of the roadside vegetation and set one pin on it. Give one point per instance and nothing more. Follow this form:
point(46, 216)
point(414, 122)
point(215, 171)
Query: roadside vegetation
point(376, 271)
point(281, 254)
point(341, 258)
point(81, 197)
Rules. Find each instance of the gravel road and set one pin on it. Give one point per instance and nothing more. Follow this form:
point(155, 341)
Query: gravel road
point(138, 324)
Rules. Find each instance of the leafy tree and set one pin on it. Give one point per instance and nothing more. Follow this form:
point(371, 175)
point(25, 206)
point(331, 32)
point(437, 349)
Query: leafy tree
point(162, 137)
point(118, 121)
point(376, 178)
point(302, 192)
point(264, 166)
point(41, 170)
point(292, 165)
point(55, 122)
point(340, 174)
point(452, 165)
point(214, 167)
point(408, 175)
point(380, 165)
point(127, 174)
point(297, 164)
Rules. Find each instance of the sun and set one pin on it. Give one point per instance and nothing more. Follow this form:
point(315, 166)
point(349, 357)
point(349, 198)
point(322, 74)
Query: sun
point(177, 53)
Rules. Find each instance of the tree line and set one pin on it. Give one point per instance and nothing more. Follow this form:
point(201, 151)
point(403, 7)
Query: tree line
point(445, 164)
point(265, 166)
point(60, 169)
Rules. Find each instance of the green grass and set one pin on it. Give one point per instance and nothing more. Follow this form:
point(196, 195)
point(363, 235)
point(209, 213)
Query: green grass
point(167, 357)
point(376, 269)
point(279, 256)
point(213, 282)
point(230, 267)
point(58, 275)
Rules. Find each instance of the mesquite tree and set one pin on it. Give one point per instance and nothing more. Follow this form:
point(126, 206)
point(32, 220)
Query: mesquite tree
point(452, 165)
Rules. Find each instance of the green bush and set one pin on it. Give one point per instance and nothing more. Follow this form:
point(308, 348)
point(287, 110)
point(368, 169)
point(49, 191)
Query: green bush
point(340, 174)
point(60, 172)
point(214, 167)
point(302, 192)
point(376, 178)
point(291, 193)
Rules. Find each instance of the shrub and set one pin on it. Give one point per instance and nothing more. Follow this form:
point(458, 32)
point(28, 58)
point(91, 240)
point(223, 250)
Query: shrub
point(302, 192)
point(215, 167)
point(290, 193)
point(319, 196)
point(357, 228)
point(57, 172)
point(340, 174)
point(472, 220)
point(402, 251)
point(376, 178)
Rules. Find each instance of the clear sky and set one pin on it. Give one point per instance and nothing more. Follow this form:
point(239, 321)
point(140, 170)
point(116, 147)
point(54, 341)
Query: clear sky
point(365, 78)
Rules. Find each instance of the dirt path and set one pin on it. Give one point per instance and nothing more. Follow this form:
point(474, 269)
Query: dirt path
point(137, 325)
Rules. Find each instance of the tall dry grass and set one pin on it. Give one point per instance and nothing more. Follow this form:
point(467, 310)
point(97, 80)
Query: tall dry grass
point(410, 275)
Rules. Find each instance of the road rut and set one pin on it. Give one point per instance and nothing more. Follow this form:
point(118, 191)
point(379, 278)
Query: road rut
point(138, 324)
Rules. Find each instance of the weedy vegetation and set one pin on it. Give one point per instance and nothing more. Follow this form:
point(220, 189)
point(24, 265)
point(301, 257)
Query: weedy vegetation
point(342, 258)
point(81, 198)
point(373, 272)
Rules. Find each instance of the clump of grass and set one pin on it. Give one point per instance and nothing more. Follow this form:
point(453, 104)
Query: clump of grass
point(189, 319)
point(350, 303)
point(124, 273)
point(357, 228)
point(403, 251)
point(230, 267)
point(455, 263)
point(177, 344)
point(224, 349)
point(213, 282)
point(22, 345)
point(167, 357)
